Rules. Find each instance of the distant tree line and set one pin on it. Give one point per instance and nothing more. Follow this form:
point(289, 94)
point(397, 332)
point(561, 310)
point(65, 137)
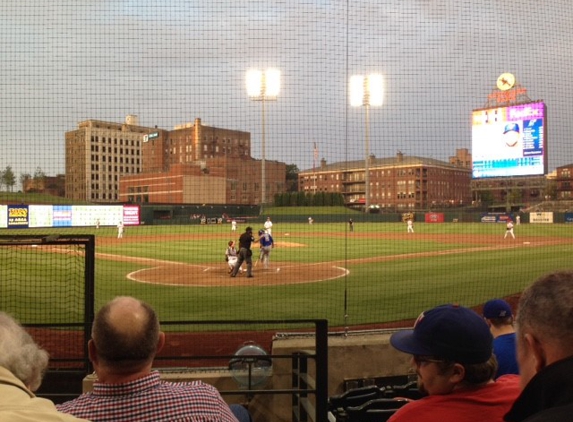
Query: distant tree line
point(293, 198)
point(8, 179)
point(302, 199)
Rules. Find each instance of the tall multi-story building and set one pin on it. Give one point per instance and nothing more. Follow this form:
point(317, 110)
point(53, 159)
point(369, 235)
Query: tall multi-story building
point(98, 154)
point(396, 183)
point(192, 163)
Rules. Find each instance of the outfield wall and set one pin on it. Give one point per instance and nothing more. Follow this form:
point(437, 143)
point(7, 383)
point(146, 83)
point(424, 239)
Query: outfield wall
point(37, 216)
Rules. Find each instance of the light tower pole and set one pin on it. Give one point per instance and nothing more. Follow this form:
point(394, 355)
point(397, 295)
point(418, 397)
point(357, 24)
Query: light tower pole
point(263, 86)
point(367, 91)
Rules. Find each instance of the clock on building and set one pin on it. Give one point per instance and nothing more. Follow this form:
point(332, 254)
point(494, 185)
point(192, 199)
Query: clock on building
point(505, 81)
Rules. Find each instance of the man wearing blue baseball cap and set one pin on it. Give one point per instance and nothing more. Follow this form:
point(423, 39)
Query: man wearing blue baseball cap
point(499, 318)
point(451, 348)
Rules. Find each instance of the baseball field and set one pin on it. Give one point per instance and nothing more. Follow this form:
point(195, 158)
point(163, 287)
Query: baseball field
point(379, 274)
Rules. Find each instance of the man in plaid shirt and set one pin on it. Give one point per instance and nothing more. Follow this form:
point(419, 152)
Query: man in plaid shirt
point(125, 340)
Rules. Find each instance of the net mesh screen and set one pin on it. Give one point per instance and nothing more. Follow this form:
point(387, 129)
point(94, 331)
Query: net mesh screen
point(166, 64)
point(44, 287)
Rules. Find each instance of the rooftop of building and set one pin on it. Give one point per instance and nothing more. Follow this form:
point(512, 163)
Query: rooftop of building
point(400, 160)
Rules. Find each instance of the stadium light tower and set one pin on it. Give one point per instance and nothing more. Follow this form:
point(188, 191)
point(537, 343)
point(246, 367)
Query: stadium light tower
point(367, 91)
point(263, 86)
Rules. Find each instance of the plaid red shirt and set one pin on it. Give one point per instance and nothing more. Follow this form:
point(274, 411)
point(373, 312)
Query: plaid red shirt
point(150, 399)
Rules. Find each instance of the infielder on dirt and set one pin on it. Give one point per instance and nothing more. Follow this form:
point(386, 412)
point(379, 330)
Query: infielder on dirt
point(509, 229)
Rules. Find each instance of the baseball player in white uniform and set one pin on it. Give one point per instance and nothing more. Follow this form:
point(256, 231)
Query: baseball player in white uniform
point(509, 229)
point(268, 226)
point(231, 255)
point(120, 229)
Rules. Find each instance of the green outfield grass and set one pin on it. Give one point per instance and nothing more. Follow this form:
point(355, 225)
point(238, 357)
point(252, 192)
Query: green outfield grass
point(372, 293)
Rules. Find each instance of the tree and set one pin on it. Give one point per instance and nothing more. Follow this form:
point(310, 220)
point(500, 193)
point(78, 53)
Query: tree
point(8, 178)
point(292, 177)
point(39, 174)
point(551, 190)
point(24, 177)
point(486, 197)
point(39, 178)
point(515, 196)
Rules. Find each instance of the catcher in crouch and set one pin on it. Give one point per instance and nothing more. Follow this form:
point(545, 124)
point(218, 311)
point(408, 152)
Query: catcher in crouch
point(231, 256)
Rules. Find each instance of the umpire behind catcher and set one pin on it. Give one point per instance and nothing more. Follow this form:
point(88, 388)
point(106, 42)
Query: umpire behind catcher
point(245, 252)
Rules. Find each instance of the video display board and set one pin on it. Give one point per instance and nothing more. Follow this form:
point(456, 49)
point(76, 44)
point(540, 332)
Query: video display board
point(509, 141)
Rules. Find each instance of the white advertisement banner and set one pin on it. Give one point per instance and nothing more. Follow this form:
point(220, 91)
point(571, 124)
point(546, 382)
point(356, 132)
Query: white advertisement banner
point(97, 215)
point(3, 216)
point(41, 216)
point(541, 217)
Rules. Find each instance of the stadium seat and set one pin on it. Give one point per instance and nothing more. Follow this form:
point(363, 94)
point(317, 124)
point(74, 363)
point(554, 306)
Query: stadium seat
point(374, 415)
point(355, 397)
point(408, 390)
point(377, 410)
point(337, 405)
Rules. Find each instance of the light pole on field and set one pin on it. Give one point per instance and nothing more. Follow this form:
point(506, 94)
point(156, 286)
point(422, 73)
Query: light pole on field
point(263, 86)
point(366, 91)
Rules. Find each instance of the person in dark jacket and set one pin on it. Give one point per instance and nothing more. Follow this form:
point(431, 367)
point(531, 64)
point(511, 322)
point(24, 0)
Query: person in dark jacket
point(545, 350)
point(245, 252)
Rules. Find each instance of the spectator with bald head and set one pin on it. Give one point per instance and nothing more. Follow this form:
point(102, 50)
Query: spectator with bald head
point(125, 339)
point(544, 325)
point(22, 365)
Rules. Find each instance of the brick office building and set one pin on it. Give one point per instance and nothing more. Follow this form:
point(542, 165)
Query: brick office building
point(564, 182)
point(396, 183)
point(111, 162)
point(49, 185)
point(201, 164)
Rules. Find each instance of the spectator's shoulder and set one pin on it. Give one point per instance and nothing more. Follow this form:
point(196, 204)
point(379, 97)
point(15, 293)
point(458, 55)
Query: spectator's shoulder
point(509, 379)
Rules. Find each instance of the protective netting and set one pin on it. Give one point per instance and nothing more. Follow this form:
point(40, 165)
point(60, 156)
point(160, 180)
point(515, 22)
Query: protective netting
point(45, 286)
point(168, 63)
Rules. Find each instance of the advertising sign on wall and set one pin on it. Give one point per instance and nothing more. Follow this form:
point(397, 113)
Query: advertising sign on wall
point(18, 216)
point(3, 216)
point(41, 215)
point(131, 215)
point(62, 216)
point(434, 217)
point(541, 217)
